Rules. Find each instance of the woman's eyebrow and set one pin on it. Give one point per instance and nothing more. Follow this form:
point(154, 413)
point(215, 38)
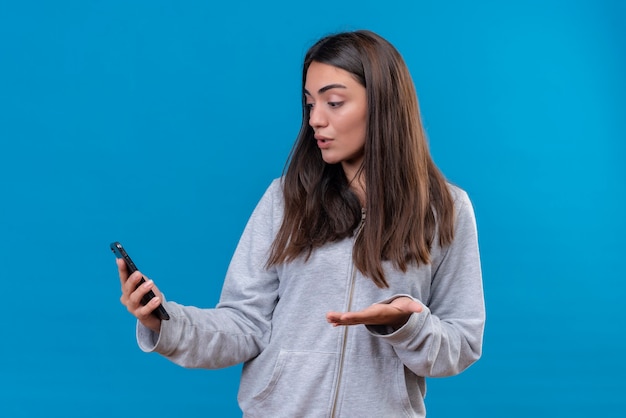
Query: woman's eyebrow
point(326, 88)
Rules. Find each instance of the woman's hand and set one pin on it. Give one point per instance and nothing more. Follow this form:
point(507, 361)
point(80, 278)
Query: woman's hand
point(394, 314)
point(131, 297)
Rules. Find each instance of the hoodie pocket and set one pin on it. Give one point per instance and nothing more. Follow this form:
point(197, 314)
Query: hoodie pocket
point(301, 382)
point(380, 387)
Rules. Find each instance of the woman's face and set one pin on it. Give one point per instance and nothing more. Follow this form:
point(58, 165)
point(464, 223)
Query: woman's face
point(338, 115)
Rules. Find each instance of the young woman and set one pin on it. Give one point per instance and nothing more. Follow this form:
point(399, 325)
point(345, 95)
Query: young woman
point(358, 273)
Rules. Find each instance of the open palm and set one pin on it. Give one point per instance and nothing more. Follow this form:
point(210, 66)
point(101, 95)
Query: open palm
point(394, 314)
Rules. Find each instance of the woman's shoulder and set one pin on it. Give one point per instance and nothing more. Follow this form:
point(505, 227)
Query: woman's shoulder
point(273, 194)
point(463, 206)
point(459, 196)
point(275, 188)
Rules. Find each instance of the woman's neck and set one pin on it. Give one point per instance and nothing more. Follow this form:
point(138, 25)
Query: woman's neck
point(356, 181)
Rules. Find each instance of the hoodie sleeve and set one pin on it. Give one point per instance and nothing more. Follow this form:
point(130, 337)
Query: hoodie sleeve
point(446, 337)
point(239, 327)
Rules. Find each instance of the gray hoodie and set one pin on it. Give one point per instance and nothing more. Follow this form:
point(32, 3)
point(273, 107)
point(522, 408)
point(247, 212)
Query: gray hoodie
point(298, 365)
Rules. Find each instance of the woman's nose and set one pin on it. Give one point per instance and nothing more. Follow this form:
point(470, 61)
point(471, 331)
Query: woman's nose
point(317, 118)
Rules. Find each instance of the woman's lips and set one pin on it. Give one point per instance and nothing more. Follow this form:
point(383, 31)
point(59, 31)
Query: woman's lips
point(322, 141)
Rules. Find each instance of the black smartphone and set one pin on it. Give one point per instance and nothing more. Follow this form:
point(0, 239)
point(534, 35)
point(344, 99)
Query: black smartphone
point(120, 252)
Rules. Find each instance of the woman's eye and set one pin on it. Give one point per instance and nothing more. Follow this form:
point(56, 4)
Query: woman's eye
point(335, 104)
point(308, 105)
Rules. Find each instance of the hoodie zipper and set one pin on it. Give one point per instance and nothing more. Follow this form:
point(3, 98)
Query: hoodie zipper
point(346, 327)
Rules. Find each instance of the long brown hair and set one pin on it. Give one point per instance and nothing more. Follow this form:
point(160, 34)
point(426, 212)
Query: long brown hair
point(407, 199)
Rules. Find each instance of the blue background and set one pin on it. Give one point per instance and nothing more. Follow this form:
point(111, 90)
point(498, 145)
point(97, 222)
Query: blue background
point(160, 124)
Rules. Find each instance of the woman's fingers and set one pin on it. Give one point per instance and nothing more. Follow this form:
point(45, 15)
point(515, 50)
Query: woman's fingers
point(144, 313)
point(129, 285)
point(133, 291)
point(395, 313)
point(122, 270)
